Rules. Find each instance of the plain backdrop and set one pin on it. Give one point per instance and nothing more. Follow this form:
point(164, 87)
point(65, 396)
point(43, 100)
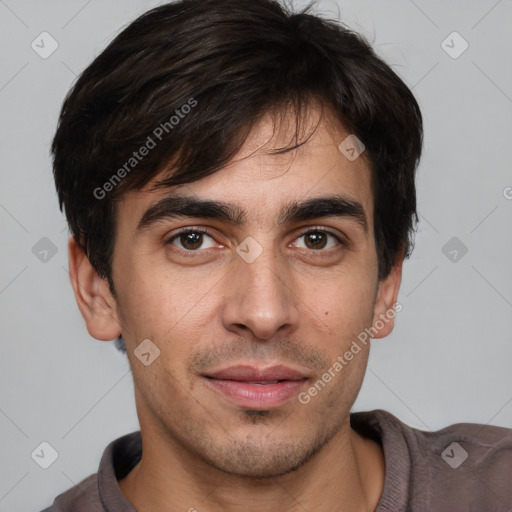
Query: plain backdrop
point(449, 357)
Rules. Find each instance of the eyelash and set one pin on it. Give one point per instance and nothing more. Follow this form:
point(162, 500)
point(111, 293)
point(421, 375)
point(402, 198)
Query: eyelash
point(207, 232)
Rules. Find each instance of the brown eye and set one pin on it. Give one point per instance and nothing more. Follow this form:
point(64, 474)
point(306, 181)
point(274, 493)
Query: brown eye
point(191, 240)
point(315, 240)
point(318, 239)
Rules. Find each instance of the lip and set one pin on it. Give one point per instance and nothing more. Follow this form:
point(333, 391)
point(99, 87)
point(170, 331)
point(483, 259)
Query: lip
point(257, 388)
point(251, 373)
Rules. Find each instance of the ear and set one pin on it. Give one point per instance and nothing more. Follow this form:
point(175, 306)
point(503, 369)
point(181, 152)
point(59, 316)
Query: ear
point(93, 296)
point(387, 294)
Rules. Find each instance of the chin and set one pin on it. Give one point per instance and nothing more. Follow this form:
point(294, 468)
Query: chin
point(259, 460)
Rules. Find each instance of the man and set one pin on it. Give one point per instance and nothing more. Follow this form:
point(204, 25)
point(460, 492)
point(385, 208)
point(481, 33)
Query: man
point(239, 183)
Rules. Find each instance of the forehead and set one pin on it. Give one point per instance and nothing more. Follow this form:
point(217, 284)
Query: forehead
point(260, 179)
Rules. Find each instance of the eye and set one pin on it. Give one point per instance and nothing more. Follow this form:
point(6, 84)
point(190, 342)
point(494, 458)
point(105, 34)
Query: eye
point(191, 239)
point(317, 239)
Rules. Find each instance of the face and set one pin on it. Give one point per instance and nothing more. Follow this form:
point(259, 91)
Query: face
point(249, 312)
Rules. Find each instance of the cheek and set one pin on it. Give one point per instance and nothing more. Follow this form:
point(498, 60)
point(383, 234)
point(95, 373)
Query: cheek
point(168, 310)
point(342, 303)
point(146, 306)
point(349, 312)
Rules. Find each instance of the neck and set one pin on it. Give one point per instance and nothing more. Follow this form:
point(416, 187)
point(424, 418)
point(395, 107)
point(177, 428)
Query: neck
point(346, 474)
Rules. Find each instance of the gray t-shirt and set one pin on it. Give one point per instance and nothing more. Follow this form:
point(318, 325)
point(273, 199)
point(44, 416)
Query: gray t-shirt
point(466, 467)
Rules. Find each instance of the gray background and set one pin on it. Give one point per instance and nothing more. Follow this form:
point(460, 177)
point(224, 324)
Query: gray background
point(447, 361)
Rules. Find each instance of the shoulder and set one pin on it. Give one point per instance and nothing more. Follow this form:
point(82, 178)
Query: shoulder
point(100, 491)
point(474, 459)
point(465, 465)
point(79, 498)
point(487, 441)
point(471, 447)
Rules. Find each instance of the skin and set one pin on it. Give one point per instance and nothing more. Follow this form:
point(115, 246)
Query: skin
point(212, 310)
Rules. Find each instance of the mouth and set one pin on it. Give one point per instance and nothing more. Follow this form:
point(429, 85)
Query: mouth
point(257, 389)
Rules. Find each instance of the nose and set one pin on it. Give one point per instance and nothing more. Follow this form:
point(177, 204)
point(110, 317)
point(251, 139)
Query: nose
point(260, 297)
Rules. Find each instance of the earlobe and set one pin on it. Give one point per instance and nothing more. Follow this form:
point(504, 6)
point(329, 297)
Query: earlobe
point(387, 295)
point(93, 297)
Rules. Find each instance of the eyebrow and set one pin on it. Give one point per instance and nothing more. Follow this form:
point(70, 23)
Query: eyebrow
point(178, 206)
